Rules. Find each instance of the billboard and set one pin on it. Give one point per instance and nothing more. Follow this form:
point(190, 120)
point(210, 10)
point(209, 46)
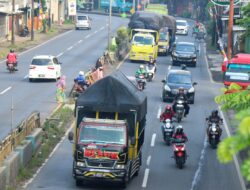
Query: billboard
point(72, 7)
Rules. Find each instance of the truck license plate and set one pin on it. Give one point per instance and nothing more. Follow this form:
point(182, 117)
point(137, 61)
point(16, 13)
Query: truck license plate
point(98, 175)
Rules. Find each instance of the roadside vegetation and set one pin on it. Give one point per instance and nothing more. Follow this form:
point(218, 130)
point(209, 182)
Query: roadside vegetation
point(54, 129)
point(236, 99)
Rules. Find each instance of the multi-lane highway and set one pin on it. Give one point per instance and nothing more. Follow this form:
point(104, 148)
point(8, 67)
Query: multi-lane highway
point(202, 170)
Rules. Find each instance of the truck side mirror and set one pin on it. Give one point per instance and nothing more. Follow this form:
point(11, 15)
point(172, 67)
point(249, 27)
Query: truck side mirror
point(71, 136)
point(132, 141)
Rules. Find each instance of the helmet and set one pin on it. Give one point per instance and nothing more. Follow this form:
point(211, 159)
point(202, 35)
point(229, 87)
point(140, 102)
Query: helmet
point(141, 66)
point(215, 113)
point(168, 121)
point(168, 108)
point(11, 50)
point(81, 73)
point(179, 129)
point(181, 90)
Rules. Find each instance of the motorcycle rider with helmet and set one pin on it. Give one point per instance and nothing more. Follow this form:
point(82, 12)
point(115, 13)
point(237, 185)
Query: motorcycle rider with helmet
point(167, 114)
point(215, 118)
point(12, 59)
point(181, 95)
point(140, 71)
point(80, 82)
point(179, 134)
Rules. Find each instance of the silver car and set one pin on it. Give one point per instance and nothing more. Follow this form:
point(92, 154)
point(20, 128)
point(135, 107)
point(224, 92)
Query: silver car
point(83, 21)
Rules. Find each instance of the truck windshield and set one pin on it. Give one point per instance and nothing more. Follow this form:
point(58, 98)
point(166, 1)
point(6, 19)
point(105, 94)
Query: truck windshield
point(234, 67)
point(143, 40)
point(163, 36)
point(102, 134)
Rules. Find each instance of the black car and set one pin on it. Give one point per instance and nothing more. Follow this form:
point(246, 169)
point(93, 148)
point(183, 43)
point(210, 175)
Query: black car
point(184, 52)
point(176, 79)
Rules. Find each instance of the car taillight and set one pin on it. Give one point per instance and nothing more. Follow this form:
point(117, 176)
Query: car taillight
point(51, 67)
point(32, 67)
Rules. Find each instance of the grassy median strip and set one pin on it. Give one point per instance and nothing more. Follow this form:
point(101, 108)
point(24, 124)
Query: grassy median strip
point(53, 130)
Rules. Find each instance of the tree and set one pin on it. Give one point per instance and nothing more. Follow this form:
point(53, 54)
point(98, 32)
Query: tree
point(238, 99)
point(245, 21)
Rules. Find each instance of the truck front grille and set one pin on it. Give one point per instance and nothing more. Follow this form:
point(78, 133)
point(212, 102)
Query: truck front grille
point(100, 163)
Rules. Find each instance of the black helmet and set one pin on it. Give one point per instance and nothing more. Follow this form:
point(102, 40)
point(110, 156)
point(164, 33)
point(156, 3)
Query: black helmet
point(215, 113)
point(11, 50)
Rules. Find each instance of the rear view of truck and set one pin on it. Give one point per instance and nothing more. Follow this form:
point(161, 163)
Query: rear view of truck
point(109, 131)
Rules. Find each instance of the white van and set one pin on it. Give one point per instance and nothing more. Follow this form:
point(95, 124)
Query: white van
point(83, 21)
point(181, 27)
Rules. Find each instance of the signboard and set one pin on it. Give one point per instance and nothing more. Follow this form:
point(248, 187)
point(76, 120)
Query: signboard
point(72, 7)
point(224, 2)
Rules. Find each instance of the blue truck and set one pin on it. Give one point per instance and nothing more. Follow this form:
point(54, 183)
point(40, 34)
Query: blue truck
point(118, 6)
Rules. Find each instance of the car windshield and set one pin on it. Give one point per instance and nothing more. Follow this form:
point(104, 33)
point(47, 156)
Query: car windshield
point(41, 62)
point(163, 36)
point(185, 48)
point(82, 18)
point(179, 79)
point(244, 68)
point(178, 23)
point(103, 134)
point(143, 40)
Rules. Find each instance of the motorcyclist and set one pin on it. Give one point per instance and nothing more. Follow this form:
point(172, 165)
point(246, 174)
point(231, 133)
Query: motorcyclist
point(215, 118)
point(140, 71)
point(80, 80)
point(12, 58)
point(179, 134)
point(167, 114)
point(181, 95)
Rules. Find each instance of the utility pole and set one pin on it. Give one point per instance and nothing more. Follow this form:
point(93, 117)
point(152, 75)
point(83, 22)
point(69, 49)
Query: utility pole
point(230, 28)
point(109, 27)
point(32, 20)
point(13, 23)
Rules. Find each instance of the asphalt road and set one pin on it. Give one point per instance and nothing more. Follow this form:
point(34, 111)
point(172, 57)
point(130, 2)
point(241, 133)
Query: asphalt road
point(77, 50)
point(202, 170)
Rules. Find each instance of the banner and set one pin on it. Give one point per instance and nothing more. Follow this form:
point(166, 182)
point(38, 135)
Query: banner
point(72, 7)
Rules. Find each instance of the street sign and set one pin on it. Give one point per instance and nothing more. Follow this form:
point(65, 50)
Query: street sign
point(224, 2)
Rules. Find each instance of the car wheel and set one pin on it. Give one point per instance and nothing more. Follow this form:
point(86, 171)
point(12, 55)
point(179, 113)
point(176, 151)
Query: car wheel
point(192, 100)
point(163, 98)
point(31, 80)
point(76, 28)
point(173, 63)
point(194, 64)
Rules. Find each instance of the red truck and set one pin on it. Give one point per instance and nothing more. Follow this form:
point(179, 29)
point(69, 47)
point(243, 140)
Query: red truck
point(237, 70)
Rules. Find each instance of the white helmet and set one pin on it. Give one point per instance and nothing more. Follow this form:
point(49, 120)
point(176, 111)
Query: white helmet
point(179, 129)
point(81, 73)
point(141, 66)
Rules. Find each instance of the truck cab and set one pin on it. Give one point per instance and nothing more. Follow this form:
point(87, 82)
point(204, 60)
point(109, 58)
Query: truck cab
point(144, 44)
point(163, 45)
point(237, 70)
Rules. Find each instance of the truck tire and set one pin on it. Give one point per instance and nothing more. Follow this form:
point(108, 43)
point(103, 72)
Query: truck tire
point(79, 182)
point(126, 178)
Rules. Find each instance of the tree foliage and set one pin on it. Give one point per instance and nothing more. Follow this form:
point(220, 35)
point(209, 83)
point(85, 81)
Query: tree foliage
point(245, 21)
point(238, 99)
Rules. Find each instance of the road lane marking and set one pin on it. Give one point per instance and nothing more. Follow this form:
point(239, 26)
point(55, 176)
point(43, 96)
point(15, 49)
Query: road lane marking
point(4, 91)
point(145, 179)
point(169, 67)
point(26, 76)
point(153, 140)
point(70, 48)
point(95, 32)
point(200, 164)
point(87, 36)
point(80, 41)
point(59, 55)
point(236, 161)
point(159, 112)
point(102, 28)
point(148, 160)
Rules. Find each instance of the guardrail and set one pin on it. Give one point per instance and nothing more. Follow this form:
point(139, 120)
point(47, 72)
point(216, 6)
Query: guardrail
point(17, 135)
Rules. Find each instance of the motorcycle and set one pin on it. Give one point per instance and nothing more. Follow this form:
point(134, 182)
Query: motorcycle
point(180, 154)
point(167, 131)
point(11, 67)
point(179, 110)
point(25, 32)
point(213, 134)
point(78, 89)
point(150, 69)
point(141, 82)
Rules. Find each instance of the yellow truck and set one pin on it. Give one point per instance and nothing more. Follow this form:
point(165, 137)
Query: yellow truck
point(144, 44)
point(163, 45)
point(109, 131)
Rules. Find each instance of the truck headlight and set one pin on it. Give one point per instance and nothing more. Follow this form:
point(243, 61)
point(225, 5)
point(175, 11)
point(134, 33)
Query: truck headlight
point(119, 166)
point(166, 87)
point(191, 90)
point(81, 164)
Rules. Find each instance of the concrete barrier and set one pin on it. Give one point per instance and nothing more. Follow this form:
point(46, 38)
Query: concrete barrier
point(2, 177)
point(36, 139)
point(12, 164)
point(26, 151)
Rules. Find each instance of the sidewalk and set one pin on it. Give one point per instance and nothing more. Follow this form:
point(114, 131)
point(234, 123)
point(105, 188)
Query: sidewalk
point(24, 43)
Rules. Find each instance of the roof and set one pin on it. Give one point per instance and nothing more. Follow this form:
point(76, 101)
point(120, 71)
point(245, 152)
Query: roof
point(43, 57)
point(178, 71)
point(241, 58)
point(185, 43)
point(114, 93)
point(181, 21)
point(143, 30)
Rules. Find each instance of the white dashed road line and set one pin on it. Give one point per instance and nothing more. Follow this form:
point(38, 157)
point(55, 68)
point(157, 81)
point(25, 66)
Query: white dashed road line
point(102, 28)
point(26, 76)
point(148, 160)
point(69, 48)
point(159, 112)
point(95, 32)
point(145, 179)
point(87, 36)
point(153, 140)
point(4, 91)
point(60, 54)
point(80, 41)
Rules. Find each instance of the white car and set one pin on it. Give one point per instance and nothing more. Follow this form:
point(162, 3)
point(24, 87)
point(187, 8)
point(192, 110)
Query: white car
point(83, 21)
point(44, 67)
point(181, 27)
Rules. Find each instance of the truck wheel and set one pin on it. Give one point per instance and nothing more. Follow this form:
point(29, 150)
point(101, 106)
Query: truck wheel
point(79, 182)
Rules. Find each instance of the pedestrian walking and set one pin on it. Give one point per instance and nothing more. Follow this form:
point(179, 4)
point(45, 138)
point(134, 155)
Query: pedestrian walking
point(60, 91)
